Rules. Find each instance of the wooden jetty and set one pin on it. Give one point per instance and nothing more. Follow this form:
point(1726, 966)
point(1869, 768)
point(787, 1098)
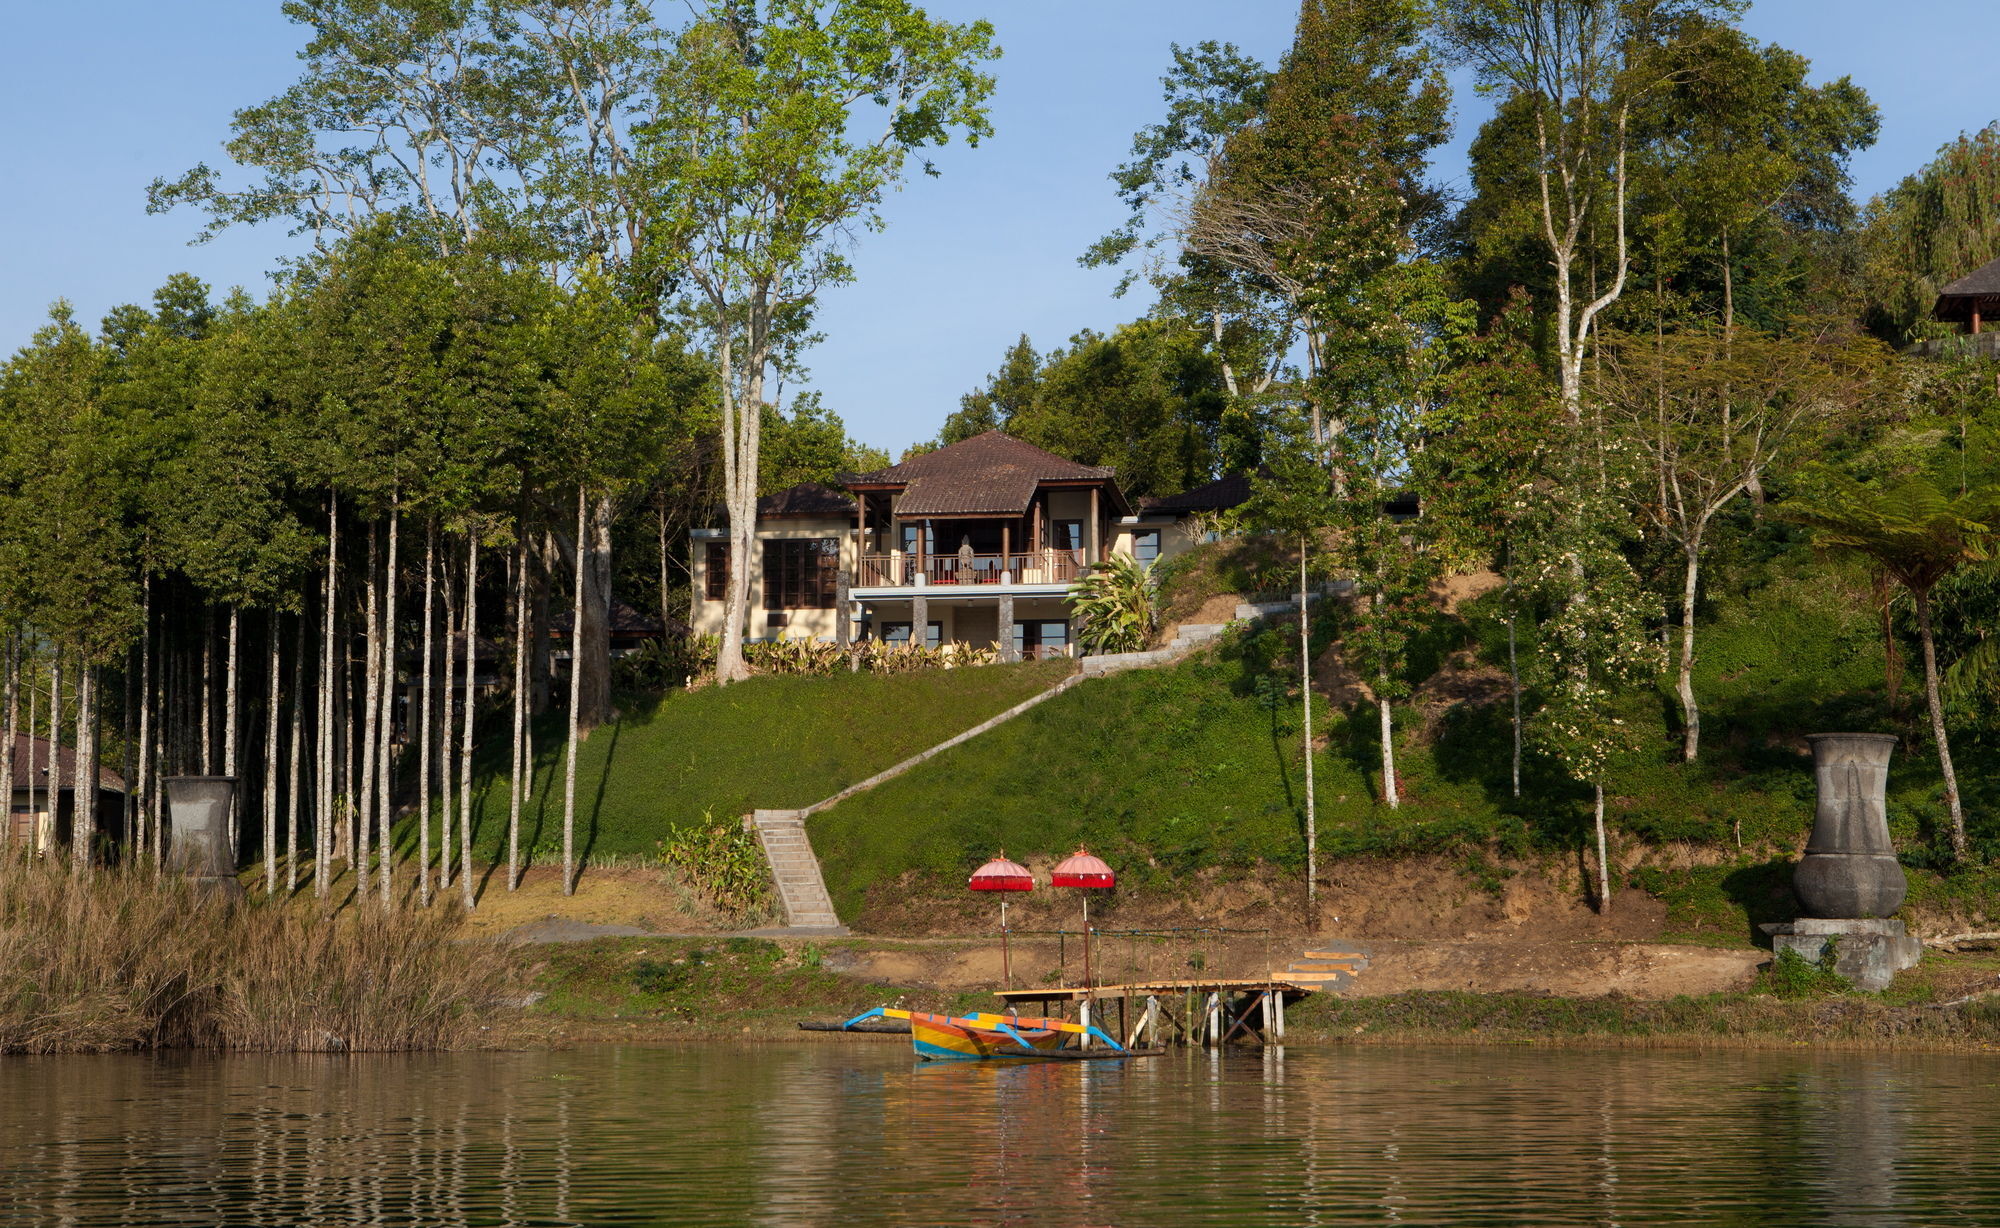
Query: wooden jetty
point(1186, 1012)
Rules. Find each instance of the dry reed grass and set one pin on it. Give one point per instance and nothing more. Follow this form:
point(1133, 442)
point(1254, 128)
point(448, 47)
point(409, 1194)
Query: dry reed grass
point(128, 959)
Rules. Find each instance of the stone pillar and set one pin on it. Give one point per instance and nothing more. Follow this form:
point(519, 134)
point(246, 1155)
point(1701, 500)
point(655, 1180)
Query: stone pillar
point(198, 831)
point(1007, 652)
point(1849, 882)
point(1849, 869)
point(920, 620)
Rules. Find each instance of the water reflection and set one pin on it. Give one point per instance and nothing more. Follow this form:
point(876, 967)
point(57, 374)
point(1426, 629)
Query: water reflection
point(846, 1131)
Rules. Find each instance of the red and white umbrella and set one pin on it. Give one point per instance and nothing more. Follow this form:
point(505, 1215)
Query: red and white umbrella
point(1080, 869)
point(1003, 876)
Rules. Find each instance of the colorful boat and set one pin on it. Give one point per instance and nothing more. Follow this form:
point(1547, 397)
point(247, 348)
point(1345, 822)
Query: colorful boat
point(985, 1036)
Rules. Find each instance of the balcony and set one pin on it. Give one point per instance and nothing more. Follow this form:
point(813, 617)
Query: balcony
point(1019, 569)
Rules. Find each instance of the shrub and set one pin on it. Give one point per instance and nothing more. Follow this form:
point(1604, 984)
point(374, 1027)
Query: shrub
point(723, 863)
point(1116, 605)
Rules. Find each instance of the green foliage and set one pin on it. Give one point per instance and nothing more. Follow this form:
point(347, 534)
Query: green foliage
point(1793, 976)
point(723, 862)
point(1116, 607)
point(775, 742)
point(1933, 228)
point(820, 657)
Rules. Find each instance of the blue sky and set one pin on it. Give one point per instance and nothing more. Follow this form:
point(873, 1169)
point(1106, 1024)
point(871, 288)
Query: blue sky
point(103, 95)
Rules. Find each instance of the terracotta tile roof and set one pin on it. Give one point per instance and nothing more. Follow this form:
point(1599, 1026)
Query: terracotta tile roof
point(39, 747)
point(993, 474)
point(807, 499)
point(1215, 496)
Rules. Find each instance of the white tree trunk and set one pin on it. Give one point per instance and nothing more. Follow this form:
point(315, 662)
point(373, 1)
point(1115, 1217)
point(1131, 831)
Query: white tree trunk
point(205, 693)
point(142, 781)
point(447, 735)
point(83, 790)
point(742, 427)
point(1312, 800)
point(423, 719)
point(55, 751)
point(371, 691)
point(465, 748)
point(1514, 685)
point(34, 698)
point(575, 691)
point(1684, 683)
point(385, 804)
point(517, 781)
point(1951, 802)
point(1390, 793)
point(273, 731)
point(1603, 862)
point(294, 770)
point(323, 822)
point(231, 697)
point(13, 700)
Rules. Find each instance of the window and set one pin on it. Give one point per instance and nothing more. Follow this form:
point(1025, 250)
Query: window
point(801, 573)
point(1146, 546)
point(899, 633)
point(1037, 638)
point(715, 572)
point(913, 537)
point(1066, 534)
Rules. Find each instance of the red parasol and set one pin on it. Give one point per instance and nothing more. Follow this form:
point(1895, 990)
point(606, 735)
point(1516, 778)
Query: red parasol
point(1003, 875)
point(1080, 869)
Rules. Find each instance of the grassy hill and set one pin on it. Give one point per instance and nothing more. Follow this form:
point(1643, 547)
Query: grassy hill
point(1171, 771)
point(770, 742)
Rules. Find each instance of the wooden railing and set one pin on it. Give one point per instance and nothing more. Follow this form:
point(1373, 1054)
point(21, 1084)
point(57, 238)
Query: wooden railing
point(1020, 567)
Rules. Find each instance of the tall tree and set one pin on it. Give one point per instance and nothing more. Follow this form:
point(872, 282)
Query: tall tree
point(767, 110)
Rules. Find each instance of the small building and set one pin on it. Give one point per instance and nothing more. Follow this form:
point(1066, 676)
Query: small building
point(977, 543)
point(32, 821)
point(1972, 302)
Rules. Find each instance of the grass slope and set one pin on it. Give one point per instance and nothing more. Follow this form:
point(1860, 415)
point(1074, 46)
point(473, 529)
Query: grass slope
point(1167, 771)
point(773, 742)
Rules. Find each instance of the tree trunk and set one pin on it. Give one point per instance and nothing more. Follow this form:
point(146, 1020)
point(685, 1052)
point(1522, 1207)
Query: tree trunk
point(55, 754)
point(516, 778)
point(141, 782)
point(1514, 684)
point(1312, 801)
point(541, 688)
point(423, 720)
point(471, 711)
point(273, 730)
point(34, 696)
point(206, 701)
point(1958, 847)
point(83, 790)
point(1389, 791)
point(385, 803)
point(323, 823)
point(575, 692)
point(231, 696)
point(742, 426)
point(590, 618)
point(294, 770)
point(371, 690)
point(447, 733)
point(660, 506)
point(1603, 862)
point(13, 699)
point(1684, 682)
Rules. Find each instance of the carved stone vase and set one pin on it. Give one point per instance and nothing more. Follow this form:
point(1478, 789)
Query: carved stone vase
point(1849, 869)
point(198, 843)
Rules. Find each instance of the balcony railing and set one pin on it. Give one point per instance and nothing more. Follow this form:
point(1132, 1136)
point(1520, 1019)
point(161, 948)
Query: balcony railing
point(1020, 567)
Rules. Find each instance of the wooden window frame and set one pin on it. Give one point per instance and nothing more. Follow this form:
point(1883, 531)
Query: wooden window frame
point(801, 573)
point(715, 572)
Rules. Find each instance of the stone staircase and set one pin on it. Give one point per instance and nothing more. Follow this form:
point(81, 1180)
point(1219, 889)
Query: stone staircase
point(1332, 969)
point(808, 908)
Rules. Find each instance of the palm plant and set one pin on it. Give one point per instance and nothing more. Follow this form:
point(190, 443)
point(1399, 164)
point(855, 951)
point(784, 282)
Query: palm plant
point(1916, 534)
point(1116, 606)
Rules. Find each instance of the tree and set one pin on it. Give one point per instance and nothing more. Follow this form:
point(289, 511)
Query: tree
point(1932, 228)
point(1711, 413)
point(1918, 534)
point(760, 132)
point(1571, 72)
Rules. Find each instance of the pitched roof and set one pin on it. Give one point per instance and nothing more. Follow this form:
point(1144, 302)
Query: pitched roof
point(990, 474)
point(625, 620)
point(1954, 301)
point(1214, 497)
point(807, 499)
point(39, 748)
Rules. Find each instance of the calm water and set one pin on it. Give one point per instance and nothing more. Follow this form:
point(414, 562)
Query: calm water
point(855, 1132)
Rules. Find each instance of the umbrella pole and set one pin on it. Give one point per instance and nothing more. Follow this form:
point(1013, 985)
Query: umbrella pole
point(1086, 940)
point(1006, 961)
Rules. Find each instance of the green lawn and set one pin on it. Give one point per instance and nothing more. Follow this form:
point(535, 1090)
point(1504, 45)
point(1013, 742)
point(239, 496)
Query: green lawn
point(773, 742)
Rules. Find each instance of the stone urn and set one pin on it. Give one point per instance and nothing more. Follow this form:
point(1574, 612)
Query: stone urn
point(1849, 870)
point(198, 843)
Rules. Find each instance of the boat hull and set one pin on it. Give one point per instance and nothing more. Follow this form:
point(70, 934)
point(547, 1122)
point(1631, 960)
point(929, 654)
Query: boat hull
point(941, 1038)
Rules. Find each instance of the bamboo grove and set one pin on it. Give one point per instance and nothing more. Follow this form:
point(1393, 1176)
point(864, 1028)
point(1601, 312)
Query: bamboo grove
point(324, 546)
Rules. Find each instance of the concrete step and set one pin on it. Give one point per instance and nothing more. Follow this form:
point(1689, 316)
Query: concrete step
point(1322, 966)
point(1333, 955)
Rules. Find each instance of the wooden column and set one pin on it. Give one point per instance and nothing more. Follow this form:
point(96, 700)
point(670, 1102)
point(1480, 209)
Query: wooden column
point(1006, 548)
point(1007, 652)
point(1975, 321)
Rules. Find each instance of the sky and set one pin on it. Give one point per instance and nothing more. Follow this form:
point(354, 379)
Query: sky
point(105, 95)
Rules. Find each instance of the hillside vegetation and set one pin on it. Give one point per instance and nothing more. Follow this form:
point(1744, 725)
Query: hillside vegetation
point(665, 761)
point(1170, 772)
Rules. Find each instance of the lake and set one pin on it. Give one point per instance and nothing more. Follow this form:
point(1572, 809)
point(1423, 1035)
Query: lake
point(853, 1131)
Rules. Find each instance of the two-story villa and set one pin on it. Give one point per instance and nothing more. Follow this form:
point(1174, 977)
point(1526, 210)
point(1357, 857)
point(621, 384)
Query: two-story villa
point(976, 543)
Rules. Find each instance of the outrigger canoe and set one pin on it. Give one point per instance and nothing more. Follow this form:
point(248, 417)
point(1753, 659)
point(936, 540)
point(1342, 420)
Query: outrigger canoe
point(985, 1036)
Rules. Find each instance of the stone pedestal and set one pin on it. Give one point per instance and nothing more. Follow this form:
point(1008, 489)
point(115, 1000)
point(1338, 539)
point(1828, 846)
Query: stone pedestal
point(198, 844)
point(1867, 952)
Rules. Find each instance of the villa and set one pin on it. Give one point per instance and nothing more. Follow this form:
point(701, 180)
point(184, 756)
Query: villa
point(976, 543)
